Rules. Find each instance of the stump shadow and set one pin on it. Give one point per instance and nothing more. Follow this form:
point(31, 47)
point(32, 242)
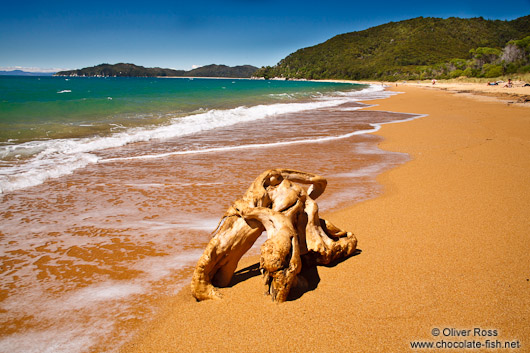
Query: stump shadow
point(244, 274)
point(308, 279)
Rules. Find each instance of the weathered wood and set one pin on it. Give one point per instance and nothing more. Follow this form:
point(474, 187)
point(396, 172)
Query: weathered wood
point(275, 202)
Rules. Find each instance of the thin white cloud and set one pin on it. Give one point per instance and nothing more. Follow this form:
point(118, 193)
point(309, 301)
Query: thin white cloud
point(195, 66)
point(31, 69)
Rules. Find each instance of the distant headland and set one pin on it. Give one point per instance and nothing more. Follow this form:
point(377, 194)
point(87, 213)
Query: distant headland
point(131, 70)
point(24, 73)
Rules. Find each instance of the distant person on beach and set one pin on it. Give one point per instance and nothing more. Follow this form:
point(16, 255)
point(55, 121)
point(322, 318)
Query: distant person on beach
point(509, 84)
point(433, 81)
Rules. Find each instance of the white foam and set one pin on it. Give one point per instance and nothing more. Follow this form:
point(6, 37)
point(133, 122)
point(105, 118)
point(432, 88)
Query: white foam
point(37, 170)
point(207, 224)
point(99, 293)
point(47, 341)
point(242, 147)
point(65, 91)
point(350, 109)
point(282, 95)
point(75, 328)
point(156, 268)
point(372, 92)
point(375, 128)
point(362, 172)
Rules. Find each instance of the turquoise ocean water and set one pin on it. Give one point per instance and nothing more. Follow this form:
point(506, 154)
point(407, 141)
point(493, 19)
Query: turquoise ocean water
point(36, 108)
point(51, 126)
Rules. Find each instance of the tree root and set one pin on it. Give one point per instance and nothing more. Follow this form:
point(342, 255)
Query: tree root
point(275, 202)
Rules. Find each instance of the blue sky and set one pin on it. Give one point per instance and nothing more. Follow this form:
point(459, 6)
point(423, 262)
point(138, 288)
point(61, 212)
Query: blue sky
point(177, 34)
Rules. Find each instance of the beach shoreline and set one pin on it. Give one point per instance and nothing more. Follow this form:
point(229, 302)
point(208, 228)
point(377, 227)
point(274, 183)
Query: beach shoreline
point(89, 254)
point(518, 94)
point(444, 246)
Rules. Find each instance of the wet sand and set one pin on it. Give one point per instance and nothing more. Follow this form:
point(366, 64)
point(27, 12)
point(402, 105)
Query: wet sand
point(89, 257)
point(445, 247)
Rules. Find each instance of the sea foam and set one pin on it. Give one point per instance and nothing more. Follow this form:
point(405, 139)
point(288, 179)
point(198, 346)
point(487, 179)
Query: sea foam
point(32, 163)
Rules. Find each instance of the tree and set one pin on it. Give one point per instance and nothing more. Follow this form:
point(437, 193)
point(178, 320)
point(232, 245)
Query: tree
point(492, 70)
point(485, 55)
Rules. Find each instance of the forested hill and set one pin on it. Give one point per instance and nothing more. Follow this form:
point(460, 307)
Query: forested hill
point(243, 71)
point(131, 70)
point(398, 49)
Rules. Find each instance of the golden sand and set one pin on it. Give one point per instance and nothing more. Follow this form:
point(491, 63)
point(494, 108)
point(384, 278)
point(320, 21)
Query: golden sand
point(446, 246)
point(516, 93)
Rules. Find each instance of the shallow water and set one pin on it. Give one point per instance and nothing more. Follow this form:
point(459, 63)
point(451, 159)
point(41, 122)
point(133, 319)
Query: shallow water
point(85, 255)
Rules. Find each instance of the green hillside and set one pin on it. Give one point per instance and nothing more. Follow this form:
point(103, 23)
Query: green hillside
point(243, 71)
point(398, 50)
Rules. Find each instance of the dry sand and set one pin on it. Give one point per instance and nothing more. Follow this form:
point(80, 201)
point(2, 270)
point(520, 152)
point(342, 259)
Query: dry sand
point(517, 89)
point(446, 246)
point(518, 94)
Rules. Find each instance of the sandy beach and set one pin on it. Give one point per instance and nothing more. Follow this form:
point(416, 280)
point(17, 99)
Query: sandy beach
point(517, 94)
point(444, 247)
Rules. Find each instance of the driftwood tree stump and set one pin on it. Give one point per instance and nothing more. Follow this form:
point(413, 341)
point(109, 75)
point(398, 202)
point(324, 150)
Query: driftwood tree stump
point(275, 202)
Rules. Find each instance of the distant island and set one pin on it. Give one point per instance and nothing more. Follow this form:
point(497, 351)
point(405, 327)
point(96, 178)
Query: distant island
point(419, 48)
point(24, 73)
point(131, 70)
